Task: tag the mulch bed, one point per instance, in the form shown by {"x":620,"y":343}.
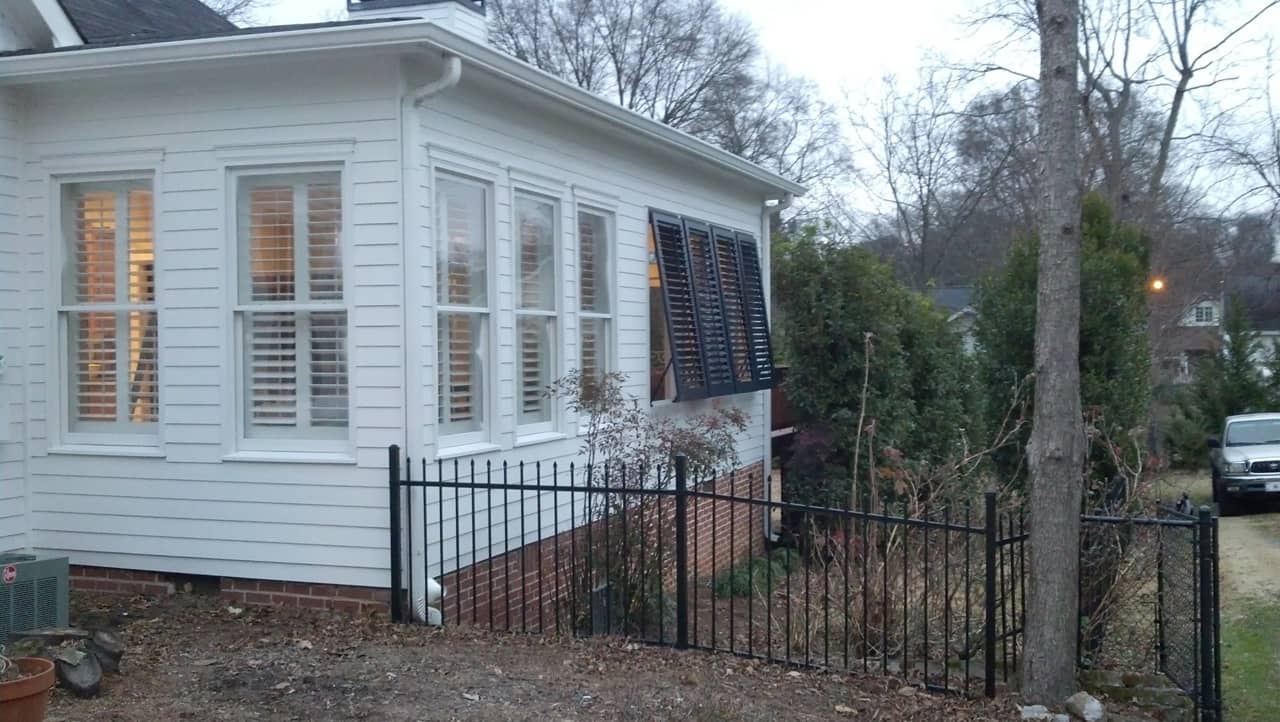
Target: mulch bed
{"x":190,"y":657}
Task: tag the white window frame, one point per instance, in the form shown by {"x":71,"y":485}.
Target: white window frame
{"x":609,"y":213}
{"x":542,"y":429}
{"x":1211,"y":311}
{"x":340,"y":443}
{"x":128,"y":437}
{"x":480,"y":439}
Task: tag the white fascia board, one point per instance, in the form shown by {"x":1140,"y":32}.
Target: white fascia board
{"x":89,"y":61}
{"x":64,"y":33}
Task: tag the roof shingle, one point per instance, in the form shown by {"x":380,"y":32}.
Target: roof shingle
{"x":114,"y":21}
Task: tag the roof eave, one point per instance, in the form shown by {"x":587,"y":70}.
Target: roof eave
{"x":43,"y":67}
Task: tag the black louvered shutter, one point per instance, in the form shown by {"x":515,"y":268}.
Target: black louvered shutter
{"x":735,"y":310}
{"x":678,"y":297}
{"x":757,"y":315}
{"x":709,"y":300}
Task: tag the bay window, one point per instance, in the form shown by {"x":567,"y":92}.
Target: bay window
{"x":291,"y":313}
{"x":108,"y":311}
{"x":463,"y":307}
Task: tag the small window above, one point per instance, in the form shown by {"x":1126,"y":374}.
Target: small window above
{"x":1204,"y":313}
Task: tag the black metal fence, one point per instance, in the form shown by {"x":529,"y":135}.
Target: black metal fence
{"x":931,"y":591}
{"x":1149,"y":601}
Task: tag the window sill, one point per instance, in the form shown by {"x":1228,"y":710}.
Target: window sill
{"x":540,"y":438}
{"x":291,"y":457}
{"x":136,"y":452}
{"x":456,"y":452}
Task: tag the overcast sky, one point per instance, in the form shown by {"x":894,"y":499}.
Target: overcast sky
{"x":839,"y":44}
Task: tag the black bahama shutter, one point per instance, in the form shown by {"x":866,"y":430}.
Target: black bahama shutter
{"x":757,"y":314}
{"x":713,"y":293}
{"x":709,"y":299}
{"x":678,"y":297}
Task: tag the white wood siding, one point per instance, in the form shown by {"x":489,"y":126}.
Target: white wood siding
{"x":541,"y":148}
{"x":193,"y":511}
{"x":189,"y":509}
{"x":13,"y":503}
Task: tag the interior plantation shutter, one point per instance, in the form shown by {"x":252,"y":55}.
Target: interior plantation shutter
{"x":110,"y":308}
{"x":756,"y":310}
{"x":681,"y":311}
{"x":704,"y":272}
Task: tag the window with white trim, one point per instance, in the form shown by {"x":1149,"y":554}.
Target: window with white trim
{"x":108,"y":311}
{"x":595,"y":292}
{"x":536,"y":307}
{"x":1206,"y":314}
{"x":463,"y":223}
{"x":291,"y":313}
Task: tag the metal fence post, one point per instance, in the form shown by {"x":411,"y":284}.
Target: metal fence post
{"x":989,"y":626}
{"x":393,"y":478}
{"x":1204,"y":542}
{"x":682,"y":552}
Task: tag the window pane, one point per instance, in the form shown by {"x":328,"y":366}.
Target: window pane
{"x":93,"y":236}
{"x":461,"y":363}
{"x":535,"y":368}
{"x":142,"y":257}
{"x":595,"y":347}
{"x":94,"y":374}
{"x":329,"y":369}
{"x":144,"y":387}
{"x":271,"y":372}
{"x":267,"y":217}
{"x":462,"y":243}
{"x":593,"y":262}
{"x":536,"y":253}
{"x":324,"y":241}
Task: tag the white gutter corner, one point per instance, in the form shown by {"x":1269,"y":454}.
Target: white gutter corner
{"x":449,"y":77}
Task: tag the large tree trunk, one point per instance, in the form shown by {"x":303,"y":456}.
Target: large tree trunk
{"x":1057,"y":438}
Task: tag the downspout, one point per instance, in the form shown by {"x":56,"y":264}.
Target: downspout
{"x":766,"y":271}
{"x":415,"y":98}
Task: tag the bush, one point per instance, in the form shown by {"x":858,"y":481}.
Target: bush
{"x":873,"y":366}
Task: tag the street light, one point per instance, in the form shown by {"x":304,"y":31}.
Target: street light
{"x":1157,"y":284}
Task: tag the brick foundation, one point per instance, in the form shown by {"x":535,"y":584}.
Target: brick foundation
{"x":531,"y":587}
{"x":256,"y":592}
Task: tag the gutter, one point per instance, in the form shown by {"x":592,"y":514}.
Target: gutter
{"x":406,"y":34}
{"x":767,"y":212}
{"x":430,"y":591}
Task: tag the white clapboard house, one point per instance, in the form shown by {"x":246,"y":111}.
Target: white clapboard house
{"x":237,"y":264}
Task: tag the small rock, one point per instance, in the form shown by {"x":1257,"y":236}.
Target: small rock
{"x":1036,"y":712}
{"x":907,"y":691}
{"x":82,"y":678}
{"x":841,"y":709}
{"x":235,"y":611}
{"x":305,"y":644}
{"x":1083,"y":705}
{"x":108,"y":648}
{"x":471,"y":697}
{"x":281,"y":686}
{"x":793,"y":673}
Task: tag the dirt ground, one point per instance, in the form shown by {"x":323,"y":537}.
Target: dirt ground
{"x":191,"y":658}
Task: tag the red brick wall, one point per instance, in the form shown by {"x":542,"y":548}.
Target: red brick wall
{"x":356,"y":600}
{"x":531,"y":587}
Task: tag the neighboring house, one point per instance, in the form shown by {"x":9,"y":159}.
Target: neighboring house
{"x":1196,"y":334}
{"x":957,"y":303}
{"x":235,"y":265}
{"x":1258,"y":290}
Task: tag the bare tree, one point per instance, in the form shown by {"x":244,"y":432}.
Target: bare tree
{"x":687,"y":63}
{"x":240,"y":12}
{"x":1254,"y":148}
{"x":927,"y":167}
{"x":1056,"y":452}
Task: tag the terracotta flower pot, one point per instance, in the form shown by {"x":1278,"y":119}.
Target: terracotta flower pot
{"x":25,"y":700}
